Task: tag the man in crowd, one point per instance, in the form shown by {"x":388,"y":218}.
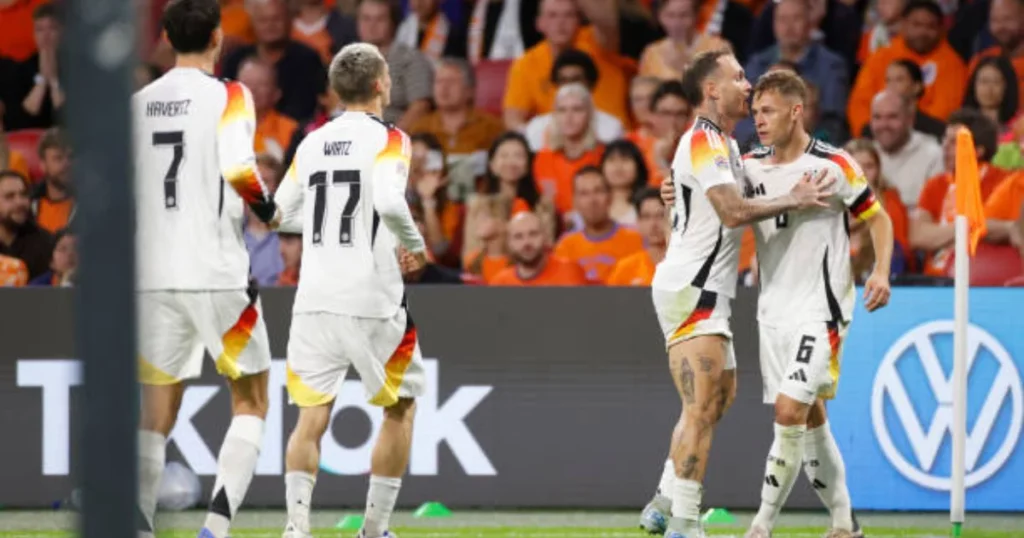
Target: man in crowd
{"x":909,"y":158}
{"x":274,"y":130}
{"x":53,"y":202}
{"x":638,"y":269}
{"x":532,"y":264}
{"x":20,"y":236}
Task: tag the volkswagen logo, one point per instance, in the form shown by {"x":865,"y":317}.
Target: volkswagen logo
{"x":927,"y":434}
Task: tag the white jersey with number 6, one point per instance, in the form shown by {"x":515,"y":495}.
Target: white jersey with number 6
{"x":194,"y":171}
{"x":347,"y":179}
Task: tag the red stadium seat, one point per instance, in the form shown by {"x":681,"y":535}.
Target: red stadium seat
{"x":1017,"y":281}
{"x":993,"y":265}
{"x":26,"y":142}
{"x":491,"y":76}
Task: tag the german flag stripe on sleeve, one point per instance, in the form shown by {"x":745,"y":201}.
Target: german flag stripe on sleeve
{"x":236,"y":108}
{"x":850,"y":172}
{"x":865,"y":206}
{"x":396,"y":148}
{"x":246,"y":182}
{"x":705,"y":147}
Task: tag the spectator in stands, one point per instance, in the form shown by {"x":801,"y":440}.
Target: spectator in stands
{"x":905,"y":78}
{"x":1006,"y":24}
{"x":53,"y":201}
{"x":236,"y":23}
{"x":667,"y":58}
{"x":867,"y":157}
{"x":412,"y":77}
{"x":462,"y":129}
{"x":20,"y":237}
{"x":641,"y":89}
{"x":274,"y":130}
{"x":909,"y":158}
{"x":828,"y":127}
{"x":265,"y":261}
{"x":444,"y":217}
{"x":572,"y":145}
{"x":1004,"y":212}
{"x":432,"y":273}
{"x":16,"y":17}
{"x":300,"y":73}
{"x":573,"y":67}
{"x":671,"y":116}
{"x":885,"y":17}
{"x":623,"y":165}
{"x":533,"y":265}
{"x":921,"y":40}
{"x":484,"y":247}
{"x":815,"y":63}
{"x":501,"y":29}
{"x":510,"y":177}
{"x":63,"y":262}
{"x":530,"y":91}
{"x":599,"y":243}
{"x":835,"y":23}
{"x":10,"y":159}
{"x":638,"y":268}
{"x":291,"y":255}
{"x":431,"y":32}
{"x":13,"y":272}
{"x":322,"y":29}
{"x":931,"y":227}
{"x":994,"y":91}
{"x":32,"y":91}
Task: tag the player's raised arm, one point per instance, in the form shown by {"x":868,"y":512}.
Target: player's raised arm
{"x":390,"y":180}
{"x":235,"y":137}
{"x":289,"y":198}
{"x":711,"y":167}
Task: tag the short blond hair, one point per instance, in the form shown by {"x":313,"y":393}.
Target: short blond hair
{"x":785,"y":83}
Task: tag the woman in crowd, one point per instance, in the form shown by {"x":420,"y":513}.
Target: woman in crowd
{"x":993,"y":90}
{"x":428,"y":179}
{"x":573,"y":145}
{"x":864,"y":152}
{"x":623,"y":166}
{"x":667,"y":58}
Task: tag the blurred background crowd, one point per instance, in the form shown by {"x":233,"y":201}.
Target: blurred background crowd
{"x":542,"y":128}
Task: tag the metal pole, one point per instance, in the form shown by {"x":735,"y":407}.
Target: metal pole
{"x":98,"y":61}
{"x":960,"y":317}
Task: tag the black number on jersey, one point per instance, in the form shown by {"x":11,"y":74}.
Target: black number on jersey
{"x":803,"y":354}
{"x":782,"y":220}
{"x":318,"y":183}
{"x":175,"y":139}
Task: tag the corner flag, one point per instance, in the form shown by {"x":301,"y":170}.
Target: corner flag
{"x":968,"y":188}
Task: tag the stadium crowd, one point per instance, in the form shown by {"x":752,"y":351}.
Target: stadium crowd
{"x":542,"y":128}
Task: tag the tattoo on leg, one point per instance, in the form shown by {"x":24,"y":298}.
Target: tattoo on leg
{"x":723,"y":401}
{"x":706,"y":363}
{"x":690,"y":466}
{"x":686,"y":381}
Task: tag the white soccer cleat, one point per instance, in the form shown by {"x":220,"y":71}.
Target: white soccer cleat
{"x":758,"y":532}
{"x":840,"y":533}
{"x":291,"y":532}
{"x":654,"y":518}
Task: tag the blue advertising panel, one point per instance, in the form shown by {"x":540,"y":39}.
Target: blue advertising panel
{"x":893,"y":415}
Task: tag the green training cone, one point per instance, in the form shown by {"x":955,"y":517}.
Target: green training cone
{"x":350,"y":523}
{"x":718,"y":516}
{"x":433,"y":509}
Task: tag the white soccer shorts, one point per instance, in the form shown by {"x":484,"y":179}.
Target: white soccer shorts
{"x":176,"y":327}
{"x":692,"y":312}
{"x":801,"y":361}
{"x":385,"y":353}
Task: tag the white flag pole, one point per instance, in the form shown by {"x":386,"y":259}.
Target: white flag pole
{"x":961,"y":286}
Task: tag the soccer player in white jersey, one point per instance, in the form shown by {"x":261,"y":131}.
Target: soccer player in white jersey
{"x":348,"y":178}
{"x":195,"y":172}
{"x":806,"y":298}
{"x":693,"y":285}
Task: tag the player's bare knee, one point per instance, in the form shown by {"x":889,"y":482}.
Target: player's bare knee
{"x":403,"y":410}
{"x":313,"y":422}
{"x":249,"y":395}
{"x":790,"y":412}
{"x":817,"y":416}
{"x":160,"y":404}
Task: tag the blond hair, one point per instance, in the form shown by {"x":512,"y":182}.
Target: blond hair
{"x":556,"y":138}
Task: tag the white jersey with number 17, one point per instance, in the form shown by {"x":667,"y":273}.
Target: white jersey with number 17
{"x":194,"y":172}
{"x":345,"y":192}
{"x":702,"y":252}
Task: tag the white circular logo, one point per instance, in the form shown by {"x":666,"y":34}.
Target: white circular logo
{"x":926,"y":435}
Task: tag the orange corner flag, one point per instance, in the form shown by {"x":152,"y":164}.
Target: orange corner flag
{"x":968,"y":188}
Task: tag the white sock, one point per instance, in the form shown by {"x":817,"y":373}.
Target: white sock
{"x":663,"y":496}
{"x":380,"y":502}
{"x":826,"y":471}
{"x":152,"y":456}
{"x":235,"y":465}
{"x":780,"y":472}
{"x":686,"y":498}
{"x":298,"y":494}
